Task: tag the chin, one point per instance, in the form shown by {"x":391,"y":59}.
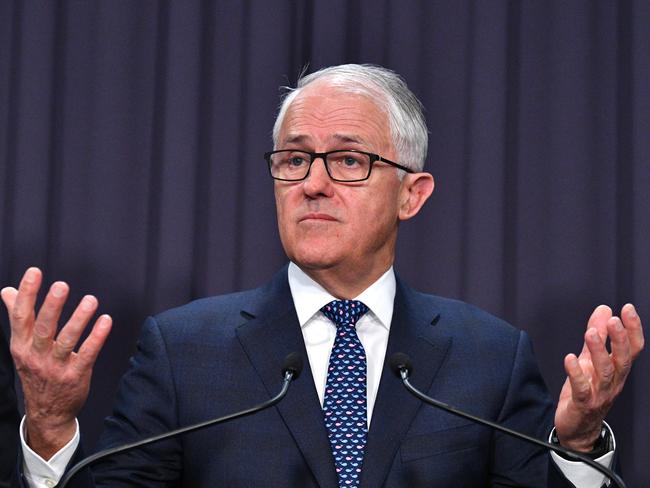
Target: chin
{"x":313,"y":262}
{"x":313,"y":257}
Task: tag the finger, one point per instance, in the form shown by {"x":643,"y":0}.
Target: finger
{"x":48,"y":316}
{"x":598,"y":320}
{"x":632,"y":323}
{"x":602,"y":363}
{"x":580,"y":386}
{"x":8,"y":295}
{"x":94,"y":342}
{"x":69,"y":335}
{"x":620,"y":347}
{"x":21,"y":315}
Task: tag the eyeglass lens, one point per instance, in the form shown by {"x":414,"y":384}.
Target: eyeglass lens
{"x":341,"y":165}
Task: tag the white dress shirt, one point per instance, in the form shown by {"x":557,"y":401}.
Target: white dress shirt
{"x":318,"y":333}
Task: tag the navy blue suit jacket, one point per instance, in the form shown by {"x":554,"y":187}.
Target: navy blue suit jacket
{"x":218,"y":355}
{"x":9,"y":418}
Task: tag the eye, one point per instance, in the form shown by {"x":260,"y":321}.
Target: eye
{"x":347,"y":160}
{"x":350,"y":161}
{"x":296,"y":161}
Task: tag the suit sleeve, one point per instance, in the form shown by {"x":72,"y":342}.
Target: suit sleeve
{"x":145,"y":406}
{"x":527,"y":408}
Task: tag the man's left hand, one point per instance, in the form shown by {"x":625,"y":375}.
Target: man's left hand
{"x":596,"y":377}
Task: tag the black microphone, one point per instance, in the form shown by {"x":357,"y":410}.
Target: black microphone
{"x":291,"y":368}
{"x":402,"y":366}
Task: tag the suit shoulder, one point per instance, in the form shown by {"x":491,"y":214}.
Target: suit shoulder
{"x":467,"y":320}
{"x":216,"y":312}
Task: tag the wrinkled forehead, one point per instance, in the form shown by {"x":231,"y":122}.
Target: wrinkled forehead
{"x":335,"y":112}
{"x":334,"y":87}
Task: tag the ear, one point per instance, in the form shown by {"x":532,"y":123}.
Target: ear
{"x":416,"y":188}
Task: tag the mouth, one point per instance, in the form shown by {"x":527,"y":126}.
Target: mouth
{"x":317,"y":217}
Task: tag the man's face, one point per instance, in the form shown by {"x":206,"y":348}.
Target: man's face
{"x":326,"y":224}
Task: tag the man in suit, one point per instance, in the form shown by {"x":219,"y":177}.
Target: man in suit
{"x":9,"y":417}
{"x":350,"y":144}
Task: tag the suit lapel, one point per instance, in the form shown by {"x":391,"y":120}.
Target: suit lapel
{"x":272,"y":332}
{"x":412,"y":332}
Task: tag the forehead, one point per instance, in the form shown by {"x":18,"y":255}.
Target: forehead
{"x":329,"y":115}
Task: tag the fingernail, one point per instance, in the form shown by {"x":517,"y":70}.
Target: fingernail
{"x":87,"y":304}
{"x":104,"y":322}
{"x":632,"y":311}
{"x":593,"y":333}
{"x":58,"y":290}
{"x":30,"y":275}
{"x":618,"y":325}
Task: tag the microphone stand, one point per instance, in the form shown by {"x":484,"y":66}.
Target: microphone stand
{"x":289,"y":374}
{"x":404,"y":374}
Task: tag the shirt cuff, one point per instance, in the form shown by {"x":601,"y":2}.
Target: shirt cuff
{"x":581,"y":475}
{"x":40,"y":473}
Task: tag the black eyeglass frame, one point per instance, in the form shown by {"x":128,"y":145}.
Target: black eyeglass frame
{"x":323,"y":155}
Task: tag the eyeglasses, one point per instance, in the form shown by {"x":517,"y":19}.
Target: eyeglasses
{"x":343,"y":165}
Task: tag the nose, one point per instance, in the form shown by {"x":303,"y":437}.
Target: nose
{"x":318,"y":181}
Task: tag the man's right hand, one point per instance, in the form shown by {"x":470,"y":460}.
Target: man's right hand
{"x":55,"y":379}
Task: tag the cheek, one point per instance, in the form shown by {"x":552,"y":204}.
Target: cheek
{"x":284,"y":209}
{"x":281,"y":200}
{"x":377,"y":217}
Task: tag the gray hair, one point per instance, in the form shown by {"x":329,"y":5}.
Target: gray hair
{"x":386,"y":88}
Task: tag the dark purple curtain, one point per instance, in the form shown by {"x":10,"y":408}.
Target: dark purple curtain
{"x":132,"y":133}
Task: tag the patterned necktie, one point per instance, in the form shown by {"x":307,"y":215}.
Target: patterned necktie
{"x":344,"y":404}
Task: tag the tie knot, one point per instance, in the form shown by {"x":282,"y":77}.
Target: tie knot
{"x":344,"y":311}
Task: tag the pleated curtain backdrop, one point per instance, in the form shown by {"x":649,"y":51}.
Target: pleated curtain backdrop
{"x":132,"y":134}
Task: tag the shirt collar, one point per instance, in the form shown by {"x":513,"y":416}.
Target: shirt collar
{"x":309,"y":296}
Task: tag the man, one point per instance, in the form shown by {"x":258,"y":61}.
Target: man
{"x":350,"y":144}
{"x":9,"y":417}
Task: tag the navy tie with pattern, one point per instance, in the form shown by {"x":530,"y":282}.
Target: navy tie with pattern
{"x":344,"y":403}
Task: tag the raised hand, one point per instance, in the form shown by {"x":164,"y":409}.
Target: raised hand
{"x":55,"y":378}
{"x":596,"y":377}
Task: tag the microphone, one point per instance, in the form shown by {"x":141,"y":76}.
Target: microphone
{"x":402,"y":366}
{"x":291,"y":369}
